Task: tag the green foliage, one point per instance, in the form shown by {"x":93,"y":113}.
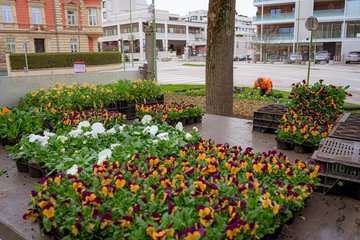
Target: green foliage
{"x":58,"y":60}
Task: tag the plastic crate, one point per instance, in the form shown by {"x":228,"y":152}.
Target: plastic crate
{"x":339,"y":160}
{"x":267,"y":119}
{"x":348,"y":127}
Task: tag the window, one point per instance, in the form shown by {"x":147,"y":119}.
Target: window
{"x":71,"y":17}
{"x":104,"y":15}
{"x":275,"y":12}
{"x":36,"y":15}
{"x":353,"y":29}
{"x":10,"y":45}
{"x":73,"y":45}
{"x":92,"y":17}
{"x":6,"y":13}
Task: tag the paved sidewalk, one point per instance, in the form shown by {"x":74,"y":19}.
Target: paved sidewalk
{"x":324,"y":217}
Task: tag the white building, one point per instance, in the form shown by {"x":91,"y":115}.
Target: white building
{"x":282,"y":23}
{"x":173,"y":34}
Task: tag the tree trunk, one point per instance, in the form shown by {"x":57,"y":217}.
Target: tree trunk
{"x":219,"y":57}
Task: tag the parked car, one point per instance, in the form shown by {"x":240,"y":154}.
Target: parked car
{"x":322,"y":56}
{"x":240,"y":58}
{"x":295,"y":57}
{"x":352,"y":57}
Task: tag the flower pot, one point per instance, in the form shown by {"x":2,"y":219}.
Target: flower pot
{"x":189,"y":121}
{"x":198,"y":119}
{"x":22,"y":166}
{"x":284,"y":144}
{"x":303,"y":148}
{"x":35,"y":171}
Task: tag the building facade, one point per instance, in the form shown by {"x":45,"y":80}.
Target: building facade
{"x":175,"y":36}
{"x":181,"y":36}
{"x":281,"y":27}
{"x":49,"y":25}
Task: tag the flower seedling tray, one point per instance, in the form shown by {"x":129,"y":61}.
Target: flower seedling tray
{"x":339,"y":160}
{"x":267,"y":119}
{"x":348,"y":127}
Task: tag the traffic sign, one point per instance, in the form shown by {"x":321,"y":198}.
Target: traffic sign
{"x":311,"y":23}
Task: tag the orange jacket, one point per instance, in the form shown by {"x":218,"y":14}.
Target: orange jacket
{"x":265,"y":84}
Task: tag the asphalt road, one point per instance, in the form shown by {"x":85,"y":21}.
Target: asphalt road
{"x":283,"y":75}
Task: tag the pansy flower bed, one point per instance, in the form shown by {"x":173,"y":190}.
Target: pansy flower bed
{"x":89,"y":144}
{"x":107,"y":118}
{"x":205,"y":190}
{"x":170,"y":113}
{"x":313,"y":111}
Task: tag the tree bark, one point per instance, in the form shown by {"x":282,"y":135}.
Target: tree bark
{"x":219,"y":57}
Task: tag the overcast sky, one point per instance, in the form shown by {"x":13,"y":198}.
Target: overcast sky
{"x":244,"y":7}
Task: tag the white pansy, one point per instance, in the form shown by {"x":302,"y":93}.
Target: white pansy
{"x":43,"y":141}
{"x":115,"y":145}
{"x":73,"y":170}
{"x":111,"y":131}
{"x":49,"y":134}
{"x":75,"y":133}
{"x":146,"y":130}
{"x":146,"y":119}
{"x":179,"y":126}
{"x":98,"y":128}
{"x":153,"y":130}
{"x":163,"y":136}
{"x":155,"y":141}
{"x":103,"y":155}
{"x":195,"y":129}
{"x":62,"y":150}
{"x":121,"y":128}
{"x":33,"y":137}
{"x":62,"y":138}
{"x":188,"y":136}
{"x":83,"y":124}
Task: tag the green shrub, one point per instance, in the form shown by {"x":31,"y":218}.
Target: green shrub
{"x":56,"y":60}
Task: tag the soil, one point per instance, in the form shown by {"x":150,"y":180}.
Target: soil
{"x":243,"y":108}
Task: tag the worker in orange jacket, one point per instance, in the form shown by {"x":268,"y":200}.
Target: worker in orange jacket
{"x":265,"y":85}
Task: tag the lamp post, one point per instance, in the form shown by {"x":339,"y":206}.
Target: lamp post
{"x":154,"y":29}
{"x":131,"y":39}
{"x":311,"y":24}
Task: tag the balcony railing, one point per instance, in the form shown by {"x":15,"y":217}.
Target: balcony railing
{"x":274,"y":38}
{"x":329,"y":13}
{"x":282,"y":16}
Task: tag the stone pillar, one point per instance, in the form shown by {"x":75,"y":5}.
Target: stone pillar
{"x":141,"y":40}
{"x":149,"y":52}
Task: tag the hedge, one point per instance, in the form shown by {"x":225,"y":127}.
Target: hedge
{"x":57,"y":60}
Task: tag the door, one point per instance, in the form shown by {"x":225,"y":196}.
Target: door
{"x":39,"y":44}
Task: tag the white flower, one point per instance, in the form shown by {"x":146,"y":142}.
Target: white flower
{"x":146,"y":130}
{"x":155,"y":141}
{"x":73,"y":170}
{"x":43,"y":141}
{"x":62,"y":138}
{"x":111,"y":131}
{"x":49,"y":134}
{"x":33,"y":137}
{"x":146,"y":119}
{"x":163,"y":136}
{"x":195,"y":129}
{"x":98,"y":128}
{"x":62,"y":150}
{"x":75,"y":133}
{"x":115,"y":145}
{"x":153,"y":130}
{"x":188,"y":136}
{"x":136,"y":133}
{"x":121,"y":128}
{"x":179,"y":126}
{"x":103,"y":155}
{"x":83,"y":124}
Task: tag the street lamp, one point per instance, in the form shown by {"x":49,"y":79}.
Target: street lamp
{"x":131,"y":39}
{"x":154,"y":30}
{"x":311,"y":24}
